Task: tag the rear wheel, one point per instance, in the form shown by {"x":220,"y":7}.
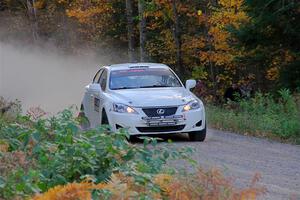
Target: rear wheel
{"x":198,"y":135}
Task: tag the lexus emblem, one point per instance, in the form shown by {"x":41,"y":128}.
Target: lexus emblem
{"x":160,"y":111}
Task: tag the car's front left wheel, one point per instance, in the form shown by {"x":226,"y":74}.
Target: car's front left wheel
{"x":83,"y":120}
{"x":104,"y":119}
{"x":198,"y":135}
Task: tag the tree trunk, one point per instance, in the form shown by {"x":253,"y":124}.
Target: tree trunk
{"x":32,"y":13}
{"x":141,"y":7}
{"x":177,"y":39}
{"x":130,"y":33}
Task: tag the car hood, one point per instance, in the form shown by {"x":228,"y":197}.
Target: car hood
{"x":148,"y":97}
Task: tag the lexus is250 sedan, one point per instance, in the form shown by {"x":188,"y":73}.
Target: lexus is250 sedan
{"x":145,"y":99}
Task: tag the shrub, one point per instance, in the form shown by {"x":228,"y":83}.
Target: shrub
{"x":60,"y":153}
{"x":210,"y":185}
{"x":261,"y":115}
{"x":55,"y":157}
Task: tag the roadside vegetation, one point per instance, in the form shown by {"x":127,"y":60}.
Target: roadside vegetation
{"x":264,"y":115}
{"x":52,"y":158}
{"x":251,"y":43}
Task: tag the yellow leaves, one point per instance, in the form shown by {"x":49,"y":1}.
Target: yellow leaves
{"x":199,"y":12}
{"x":39,"y":4}
{"x":288,"y":57}
{"x":62,"y":1}
{"x":231,"y":3}
{"x":272,"y":74}
{"x":202,"y":185}
{"x":219,"y":50}
{"x":85,"y":16}
{"x":163,"y":181}
{"x":279,"y":59}
{"x":223,"y":17}
{"x":218,"y":58}
{"x":3,"y":146}
{"x":119,"y":185}
{"x":71,"y":191}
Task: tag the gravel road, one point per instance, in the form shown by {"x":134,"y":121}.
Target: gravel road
{"x":242,"y":156}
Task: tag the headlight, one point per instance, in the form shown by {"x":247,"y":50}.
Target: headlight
{"x":122,"y":108}
{"x":192,"y":105}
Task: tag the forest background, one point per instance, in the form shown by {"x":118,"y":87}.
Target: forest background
{"x":254,"y":43}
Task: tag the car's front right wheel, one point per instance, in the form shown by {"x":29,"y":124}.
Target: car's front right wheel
{"x":198,"y":135}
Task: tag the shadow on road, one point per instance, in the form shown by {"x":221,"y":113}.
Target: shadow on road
{"x":164,"y":138}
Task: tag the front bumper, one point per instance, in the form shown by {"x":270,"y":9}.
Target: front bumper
{"x":138,"y":124}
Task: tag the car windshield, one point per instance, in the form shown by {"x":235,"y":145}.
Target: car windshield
{"x":142,"y":78}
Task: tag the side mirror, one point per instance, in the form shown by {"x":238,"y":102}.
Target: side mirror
{"x":189,"y":84}
{"x":95,"y":87}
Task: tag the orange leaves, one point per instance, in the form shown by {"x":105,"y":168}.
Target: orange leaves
{"x":272,"y":74}
{"x":85,"y":16}
{"x":222,"y":59}
{"x":219,"y":50}
{"x":39,"y":4}
{"x":3,"y":146}
{"x":94,"y":17}
{"x":231,"y":3}
{"x":207,"y":185}
{"x":71,"y":191}
{"x":119,"y":185}
{"x":279,"y":60}
{"x":210,"y":185}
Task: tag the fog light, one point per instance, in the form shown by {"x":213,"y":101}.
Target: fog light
{"x":199,"y":123}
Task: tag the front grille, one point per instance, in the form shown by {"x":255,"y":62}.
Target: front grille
{"x":160,"y":129}
{"x":154,"y":112}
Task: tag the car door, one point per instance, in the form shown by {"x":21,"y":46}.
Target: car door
{"x":88,"y":101}
{"x":98,"y":99}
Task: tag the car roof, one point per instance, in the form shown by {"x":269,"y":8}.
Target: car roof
{"x":123,"y":66}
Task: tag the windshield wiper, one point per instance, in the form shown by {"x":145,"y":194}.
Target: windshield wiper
{"x":123,"y":88}
{"x":153,"y":86}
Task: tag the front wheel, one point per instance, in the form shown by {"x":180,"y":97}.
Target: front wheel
{"x":104,"y":119}
{"x":84,"y":122}
{"x":198,"y":135}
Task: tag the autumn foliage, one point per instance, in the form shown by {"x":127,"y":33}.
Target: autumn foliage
{"x":220,"y":42}
{"x":207,"y":185}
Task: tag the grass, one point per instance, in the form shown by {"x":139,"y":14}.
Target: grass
{"x":262,"y":116}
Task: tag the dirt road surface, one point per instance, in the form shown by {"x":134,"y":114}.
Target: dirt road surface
{"x":242,"y":156}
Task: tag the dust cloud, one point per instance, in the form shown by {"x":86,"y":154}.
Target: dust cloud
{"x":43,"y":77}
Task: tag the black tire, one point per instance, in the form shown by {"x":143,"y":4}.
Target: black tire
{"x":83,"y":120}
{"x":198,"y":135}
{"x":105,"y":122}
{"x":104,"y":119}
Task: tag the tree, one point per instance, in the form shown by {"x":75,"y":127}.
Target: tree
{"x":217,"y":51}
{"x":142,"y":29}
{"x":32,"y":13}
{"x":271,"y":40}
{"x":177,"y":38}
{"x":130,"y":32}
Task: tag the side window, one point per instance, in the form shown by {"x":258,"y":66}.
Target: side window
{"x":103,"y":80}
{"x":96,"y":77}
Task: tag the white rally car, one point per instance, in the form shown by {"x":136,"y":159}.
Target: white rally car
{"x":144,"y":98}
